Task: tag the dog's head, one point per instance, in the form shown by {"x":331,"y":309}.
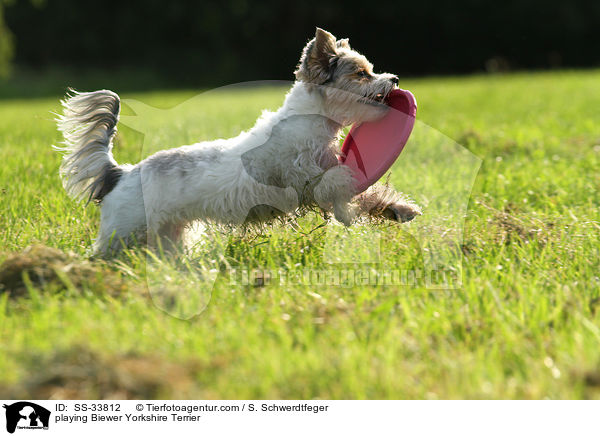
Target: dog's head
{"x":352,"y":92}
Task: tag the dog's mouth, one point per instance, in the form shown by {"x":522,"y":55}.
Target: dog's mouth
{"x":379,"y":98}
{"x":374,"y":100}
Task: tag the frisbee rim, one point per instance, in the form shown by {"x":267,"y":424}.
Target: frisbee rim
{"x":383,"y":166}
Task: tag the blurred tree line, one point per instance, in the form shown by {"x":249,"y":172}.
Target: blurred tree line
{"x":6,"y":44}
{"x":200,"y":42}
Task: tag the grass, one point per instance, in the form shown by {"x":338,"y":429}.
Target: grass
{"x":524,"y":324}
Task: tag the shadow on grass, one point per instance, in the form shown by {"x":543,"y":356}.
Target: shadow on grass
{"x":81,"y":373}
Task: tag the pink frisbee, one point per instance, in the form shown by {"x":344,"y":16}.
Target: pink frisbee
{"x":371,"y":148}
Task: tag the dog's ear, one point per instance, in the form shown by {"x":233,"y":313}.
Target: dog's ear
{"x":343,"y":43}
{"x":317,"y":58}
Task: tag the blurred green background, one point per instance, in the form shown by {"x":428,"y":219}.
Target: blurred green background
{"x":143,"y":44}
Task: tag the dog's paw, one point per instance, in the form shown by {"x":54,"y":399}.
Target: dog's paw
{"x":344,"y":213}
{"x":401,"y":212}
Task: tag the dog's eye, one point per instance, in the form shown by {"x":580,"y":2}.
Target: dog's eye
{"x":363,"y":73}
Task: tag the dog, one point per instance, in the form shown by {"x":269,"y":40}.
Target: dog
{"x":286,"y":163}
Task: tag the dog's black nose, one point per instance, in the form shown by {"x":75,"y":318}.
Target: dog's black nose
{"x":394,"y":80}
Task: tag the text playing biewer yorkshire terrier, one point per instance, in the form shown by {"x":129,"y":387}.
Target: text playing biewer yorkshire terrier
{"x":288,"y":162}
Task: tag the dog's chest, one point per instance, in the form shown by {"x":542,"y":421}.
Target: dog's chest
{"x":298,"y":150}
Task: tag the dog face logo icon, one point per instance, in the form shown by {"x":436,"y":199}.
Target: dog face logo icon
{"x":26,"y":415}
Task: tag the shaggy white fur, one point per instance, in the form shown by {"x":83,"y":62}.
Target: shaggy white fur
{"x":288,"y":160}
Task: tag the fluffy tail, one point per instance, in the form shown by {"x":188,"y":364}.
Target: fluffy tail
{"x":88,"y":124}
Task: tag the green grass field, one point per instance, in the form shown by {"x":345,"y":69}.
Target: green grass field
{"x":524,"y":324}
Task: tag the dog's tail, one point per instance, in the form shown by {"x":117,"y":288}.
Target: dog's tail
{"x":88,"y":124}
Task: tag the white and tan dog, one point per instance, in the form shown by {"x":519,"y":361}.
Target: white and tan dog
{"x":285,"y":163}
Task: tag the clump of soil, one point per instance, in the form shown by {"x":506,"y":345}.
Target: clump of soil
{"x":50,"y":268}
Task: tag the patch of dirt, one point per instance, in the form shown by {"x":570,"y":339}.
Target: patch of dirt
{"x":592,"y":379}
{"x":593,"y":305}
{"x":48,"y":267}
{"x":470,"y":137}
{"x":80,"y":373}
{"x":512,"y":228}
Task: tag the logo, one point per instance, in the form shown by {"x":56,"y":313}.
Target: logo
{"x":26,"y":415}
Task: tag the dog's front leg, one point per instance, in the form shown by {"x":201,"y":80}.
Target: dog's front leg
{"x":335,"y":191}
{"x":383,"y":201}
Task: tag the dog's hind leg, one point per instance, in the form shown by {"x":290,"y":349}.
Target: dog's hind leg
{"x":122,"y":221}
{"x":117,"y":230}
{"x":168,"y":238}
